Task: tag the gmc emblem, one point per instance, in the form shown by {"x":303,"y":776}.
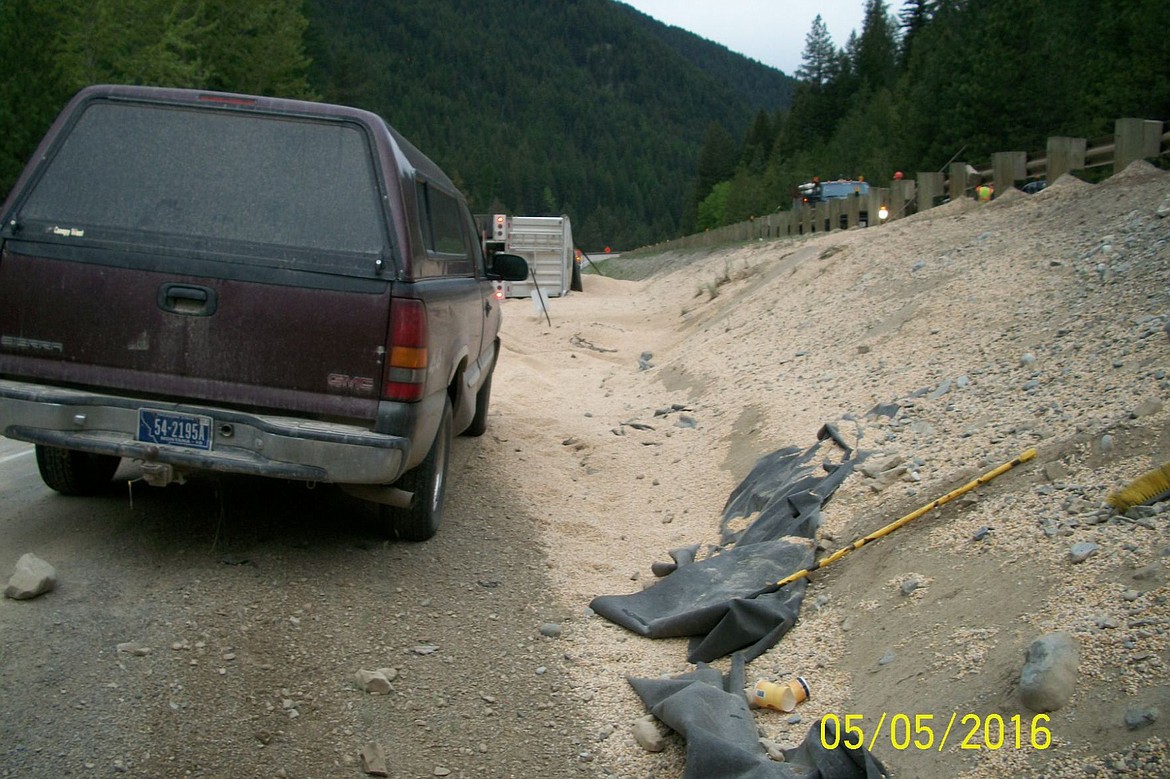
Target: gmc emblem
{"x":350,"y":385}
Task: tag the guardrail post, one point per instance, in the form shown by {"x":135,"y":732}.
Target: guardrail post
{"x":821,"y":217}
{"x":1135,"y":139}
{"x":852,"y":210}
{"x":1064,"y":156}
{"x":835,"y":207}
{"x":930,"y":189}
{"x":901,"y":194}
{"x":1008,"y":167}
{"x":957,"y":180}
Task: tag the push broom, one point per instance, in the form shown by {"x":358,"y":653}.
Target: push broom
{"x":890,"y":528}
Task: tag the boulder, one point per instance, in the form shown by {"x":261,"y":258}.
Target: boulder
{"x":1049,"y":676}
{"x":32,"y":577}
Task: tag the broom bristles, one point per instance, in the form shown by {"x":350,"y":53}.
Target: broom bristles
{"x":1148,"y":488}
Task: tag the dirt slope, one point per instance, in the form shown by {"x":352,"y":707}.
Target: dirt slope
{"x":1032,"y":321}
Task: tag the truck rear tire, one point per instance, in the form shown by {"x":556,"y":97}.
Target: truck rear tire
{"x":483,"y":399}
{"x":70,"y":472}
{"x":428,"y":482}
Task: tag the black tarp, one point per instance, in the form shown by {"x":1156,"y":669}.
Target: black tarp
{"x":711,"y":713}
{"x":727,"y":601}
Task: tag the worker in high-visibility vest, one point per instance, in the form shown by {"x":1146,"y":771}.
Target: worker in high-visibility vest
{"x":984,"y":192}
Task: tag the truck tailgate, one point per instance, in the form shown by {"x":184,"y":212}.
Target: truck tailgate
{"x":231,"y":334}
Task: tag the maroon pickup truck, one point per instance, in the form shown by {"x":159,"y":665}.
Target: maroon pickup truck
{"x":202,"y":281}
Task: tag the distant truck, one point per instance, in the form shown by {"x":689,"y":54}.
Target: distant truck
{"x":546,"y":242}
{"x":817,"y":191}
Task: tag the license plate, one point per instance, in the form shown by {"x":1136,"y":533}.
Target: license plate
{"x":173,"y":429}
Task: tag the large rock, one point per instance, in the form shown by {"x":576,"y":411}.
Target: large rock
{"x":33,"y":577}
{"x":1049,"y":677}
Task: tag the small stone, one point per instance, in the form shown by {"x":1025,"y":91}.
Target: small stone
{"x":775,"y":752}
{"x":661,"y":569}
{"x":1107,"y":443}
{"x":1141,"y":717}
{"x":648,"y":736}
{"x":1130,"y":595}
{"x":1055,"y":472}
{"x":1028,"y":360}
{"x":981,"y":533}
{"x":887,"y":658}
{"x":1147,"y":407}
{"x":133,"y":648}
{"x":1082,"y":551}
{"x":1049,"y":675}
{"x":425,"y":649}
{"x":910,"y":585}
{"x":32,"y":577}
{"x":373,"y":682}
{"x":442,"y":771}
{"x":550,"y":630}
{"x":373,"y":758}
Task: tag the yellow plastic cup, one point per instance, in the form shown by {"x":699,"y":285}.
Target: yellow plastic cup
{"x":781,"y":697}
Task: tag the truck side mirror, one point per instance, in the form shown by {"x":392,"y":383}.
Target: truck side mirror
{"x":509,"y":267}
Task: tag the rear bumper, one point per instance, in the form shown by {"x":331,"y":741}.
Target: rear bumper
{"x":256,"y":444}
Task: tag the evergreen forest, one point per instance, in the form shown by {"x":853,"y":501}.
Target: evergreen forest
{"x":938,"y":80}
{"x":637,"y":130}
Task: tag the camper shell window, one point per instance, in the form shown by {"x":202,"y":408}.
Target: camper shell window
{"x":301,"y":189}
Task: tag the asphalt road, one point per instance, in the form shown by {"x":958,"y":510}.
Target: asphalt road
{"x":250,"y":604}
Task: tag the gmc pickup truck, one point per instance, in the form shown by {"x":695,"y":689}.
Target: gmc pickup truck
{"x":202,"y":281}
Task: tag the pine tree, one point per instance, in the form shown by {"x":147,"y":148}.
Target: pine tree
{"x":915,"y":15}
{"x":875,"y":57}
{"x":818,"y":60}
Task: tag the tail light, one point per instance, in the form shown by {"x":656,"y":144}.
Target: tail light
{"x":406,"y":369}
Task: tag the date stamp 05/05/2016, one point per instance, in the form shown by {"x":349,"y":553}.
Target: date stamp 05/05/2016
{"x":925,"y":732}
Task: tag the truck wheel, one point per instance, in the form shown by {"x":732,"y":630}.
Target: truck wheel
{"x":71,"y":472}
{"x":428,"y":482}
{"x":483,"y":399}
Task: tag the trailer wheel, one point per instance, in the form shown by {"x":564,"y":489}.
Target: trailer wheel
{"x":70,"y":472}
{"x":483,"y":399}
{"x":428,"y":482}
{"x":575,"y":281}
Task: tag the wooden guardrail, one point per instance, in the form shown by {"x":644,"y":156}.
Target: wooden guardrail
{"x":1133,"y":139}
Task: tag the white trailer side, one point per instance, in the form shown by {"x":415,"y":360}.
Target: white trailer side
{"x":547,"y":243}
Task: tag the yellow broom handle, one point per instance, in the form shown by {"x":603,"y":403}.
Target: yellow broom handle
{"x":890,"y":528}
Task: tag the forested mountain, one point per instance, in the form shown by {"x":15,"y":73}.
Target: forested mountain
{"x":587,"y":108}
{"x":584,"y":107}
{"x":637,"y":130}
{"x":939,"y":79}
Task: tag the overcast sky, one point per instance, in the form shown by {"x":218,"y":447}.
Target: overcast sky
{"x":771,"y":31}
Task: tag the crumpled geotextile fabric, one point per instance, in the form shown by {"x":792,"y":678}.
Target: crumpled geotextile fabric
{"x":711,"y":713}
{"x":728,"y":601}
